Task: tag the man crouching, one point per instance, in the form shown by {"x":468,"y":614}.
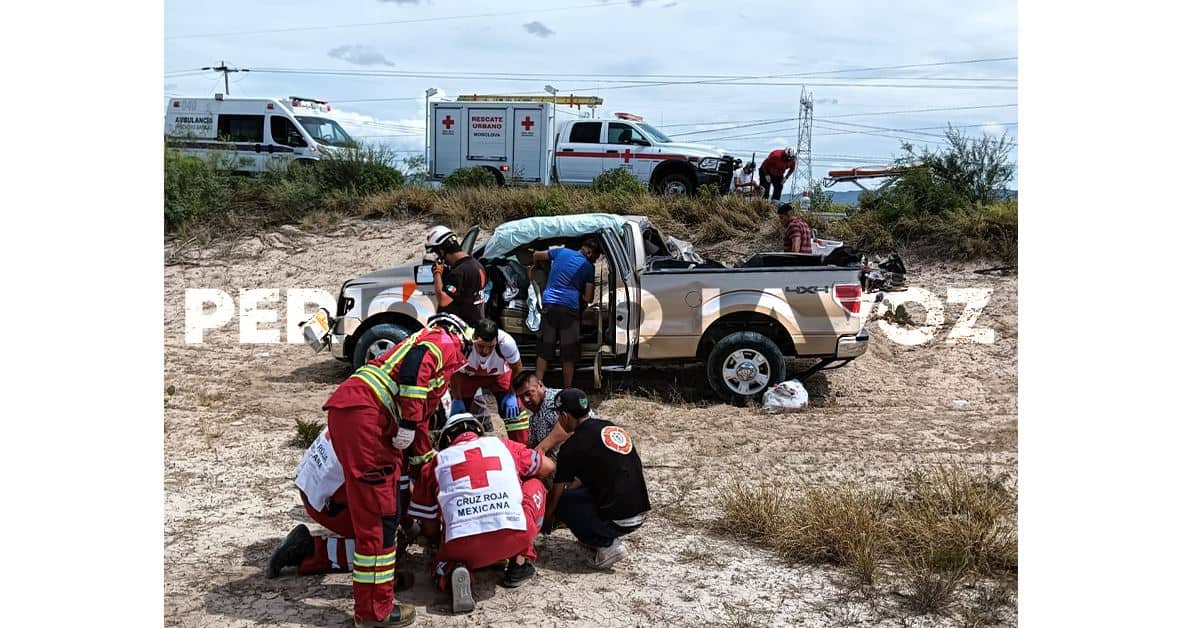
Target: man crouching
{"x":484,"y":494}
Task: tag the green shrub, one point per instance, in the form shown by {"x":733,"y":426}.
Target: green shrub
{"x":477,"y":177}
{"x":360,"y":170}
{"x":192,"y":188}
{"x":618,"y":180}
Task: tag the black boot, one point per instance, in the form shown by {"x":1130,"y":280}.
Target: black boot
{"x":297,"y":546}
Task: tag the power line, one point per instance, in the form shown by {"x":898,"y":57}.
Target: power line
{"x":388,"y":23}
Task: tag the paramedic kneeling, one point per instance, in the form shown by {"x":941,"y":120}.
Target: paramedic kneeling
{"x":611,"y":499}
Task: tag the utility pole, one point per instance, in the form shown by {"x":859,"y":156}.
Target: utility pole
{"x":803,"y":143}
{"x":226,"y":69}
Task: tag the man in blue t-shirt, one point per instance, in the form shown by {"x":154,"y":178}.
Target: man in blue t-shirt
{"x":569,"y":287}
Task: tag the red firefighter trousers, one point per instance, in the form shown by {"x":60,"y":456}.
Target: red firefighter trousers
{"x":371,"y":468}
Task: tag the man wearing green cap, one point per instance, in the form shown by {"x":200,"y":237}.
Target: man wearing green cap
{"x":610,"y":499}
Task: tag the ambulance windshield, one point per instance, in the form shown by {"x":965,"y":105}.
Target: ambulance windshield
{"x":655,"y":133}
{"x":326,"y":131}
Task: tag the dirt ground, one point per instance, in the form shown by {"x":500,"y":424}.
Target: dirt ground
{"x":229,"y":496}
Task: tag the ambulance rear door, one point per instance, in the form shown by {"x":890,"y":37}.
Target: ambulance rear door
{"x":487,"y":137}
{"x":530,"y":130}
{"x":448,"y":145}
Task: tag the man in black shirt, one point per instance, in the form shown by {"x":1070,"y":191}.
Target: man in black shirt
{"x":459,"y":290}
{"x":610,"y":500}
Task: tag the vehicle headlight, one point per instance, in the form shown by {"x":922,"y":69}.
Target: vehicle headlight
{"x":709,"y":163}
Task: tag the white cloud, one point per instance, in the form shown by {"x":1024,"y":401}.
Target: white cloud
{"x":537,"y":28}
{"x":360,"y":55}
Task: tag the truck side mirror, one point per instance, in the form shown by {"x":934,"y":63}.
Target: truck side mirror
{"x":423,"y":273}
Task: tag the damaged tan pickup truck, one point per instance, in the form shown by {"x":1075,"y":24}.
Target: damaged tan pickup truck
{"x":655,"y":301}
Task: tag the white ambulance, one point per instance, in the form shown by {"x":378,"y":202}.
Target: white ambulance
{"x":254,"y":134}
{"x":511,"y":138}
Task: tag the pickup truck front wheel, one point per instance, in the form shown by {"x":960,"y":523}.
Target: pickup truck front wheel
{"x":743,"y":365}
{"x":676,"y":185}
{"x":376,"y":341}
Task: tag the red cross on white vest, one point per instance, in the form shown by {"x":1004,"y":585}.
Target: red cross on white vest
{"x":476,"y":467}
{"x":448,"y":122}
{"x":527,"y":123}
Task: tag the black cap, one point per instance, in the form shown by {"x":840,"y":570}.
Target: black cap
{"x":784,"y":208}
{"x":572,"y":401}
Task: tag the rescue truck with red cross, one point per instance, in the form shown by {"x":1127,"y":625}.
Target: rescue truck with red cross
{"x":510,"y":137}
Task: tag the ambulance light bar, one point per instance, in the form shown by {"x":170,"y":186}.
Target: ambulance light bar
{"x":628,"y":116}
{"x":570,"y":100}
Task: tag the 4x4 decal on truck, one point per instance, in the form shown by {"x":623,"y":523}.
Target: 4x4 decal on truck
{"x":807,"y":289}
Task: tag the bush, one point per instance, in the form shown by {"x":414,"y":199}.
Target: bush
{"x":477,"y":177}
{"x":192,"y":189}
{"x":618,"y":180}
{"x":359,"y":170}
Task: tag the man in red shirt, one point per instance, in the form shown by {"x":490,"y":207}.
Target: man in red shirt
{"x":797,"y":235}
{"x":775,"y":169}
{"x":481,"y":499}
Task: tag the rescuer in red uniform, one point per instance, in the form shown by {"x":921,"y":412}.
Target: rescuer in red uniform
{"x":485,"y":494}
{"x":379,"y":431}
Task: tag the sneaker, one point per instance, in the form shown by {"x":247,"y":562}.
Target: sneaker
{"x":606,"y":557}
{"x":460,"y":590}
{"x":515,"y":574}
{"x":402,"y":615}
{"x":292,"y":551}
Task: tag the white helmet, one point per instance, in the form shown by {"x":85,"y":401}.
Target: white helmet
{"x":456,"y":425}
{"x":789,"y":152}
{"x":440,"y":235}
{"x":457,"y":328}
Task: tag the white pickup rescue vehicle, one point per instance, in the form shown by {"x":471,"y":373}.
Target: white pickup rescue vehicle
{"x":254,"y":134}
{"x":513,"y":141}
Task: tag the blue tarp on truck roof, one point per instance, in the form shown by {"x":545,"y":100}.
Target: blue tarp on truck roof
{"x":517,"y":233}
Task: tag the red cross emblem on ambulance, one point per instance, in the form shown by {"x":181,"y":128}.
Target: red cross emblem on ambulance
{"x":448,"y":122}
{"x":626,"y":155}
{"x":527,"y":123}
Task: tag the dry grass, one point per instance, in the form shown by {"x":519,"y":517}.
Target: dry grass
{"x":950,"y":517}
{"x":930,"y":589}
{"x":936,"y":529}
{"x":306,"y":433}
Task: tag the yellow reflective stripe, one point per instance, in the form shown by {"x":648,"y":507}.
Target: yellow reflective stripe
{"x":437,"y":382}
{"x":412,"y":392}
{"x":391,"y":363}
{"x":382,"y":375}
{"x":380,"y":393}
{"x":437,"y":353}
{"x":373,"y":577}
{"x":422,"y":458}
{"x":368,"y":560}
{"x":515,"y":426}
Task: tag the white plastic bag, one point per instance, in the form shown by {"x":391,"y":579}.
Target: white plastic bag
{"x":789,"y":396}
{"x":533,"y":318}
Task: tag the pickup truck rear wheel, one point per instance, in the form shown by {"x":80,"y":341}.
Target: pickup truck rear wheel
{"x":376,"y":341}
{"x":743,"y":365}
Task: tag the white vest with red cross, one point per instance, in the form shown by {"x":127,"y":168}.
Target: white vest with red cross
{"x":478,"y":488}
{"x":319,"y":473}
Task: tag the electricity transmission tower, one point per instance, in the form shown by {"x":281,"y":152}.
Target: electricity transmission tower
{"x":803,"y":146}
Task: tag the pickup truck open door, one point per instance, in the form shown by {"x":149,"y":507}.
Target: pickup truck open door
{"x":621,"y":336}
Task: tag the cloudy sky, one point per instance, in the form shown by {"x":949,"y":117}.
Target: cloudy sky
{"x":724,"y":73}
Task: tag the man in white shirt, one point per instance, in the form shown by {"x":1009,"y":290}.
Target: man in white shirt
{"x":490,"y":366}
{"x":744,"y":181}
